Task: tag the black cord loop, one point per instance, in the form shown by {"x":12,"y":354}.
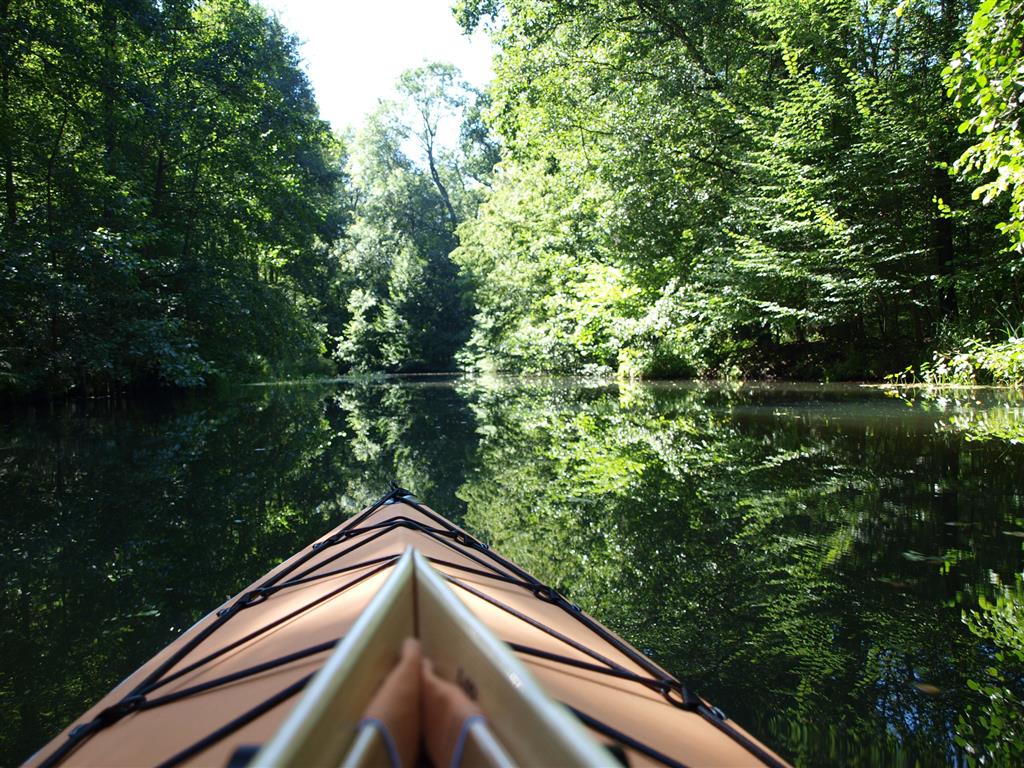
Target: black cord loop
{"x":681,"y":697}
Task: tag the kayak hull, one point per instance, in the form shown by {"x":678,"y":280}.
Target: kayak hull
{"x":232,"y":679}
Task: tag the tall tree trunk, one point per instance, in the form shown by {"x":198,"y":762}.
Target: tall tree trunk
{"x":944,"y":248}
{"x":51,"y":158}
{"x":108,"y":86}
{"x":6,"y":130}
{"x":442,"y":190}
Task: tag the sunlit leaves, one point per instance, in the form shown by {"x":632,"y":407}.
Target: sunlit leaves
{"x":406,"y":302}
{"x":770,"y":178}
{"x":168,"y":222}
{"x":986,"y":79}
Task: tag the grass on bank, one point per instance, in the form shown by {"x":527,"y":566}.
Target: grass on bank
{"x":971,"y":362}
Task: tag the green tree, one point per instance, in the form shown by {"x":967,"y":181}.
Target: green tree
{"x":413,"y":185}
{"x":170,"y":194}
{"x":986,"y":79}
{"x":765,"y":184}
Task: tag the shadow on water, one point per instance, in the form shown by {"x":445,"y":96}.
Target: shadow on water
{"x":836,"y":567}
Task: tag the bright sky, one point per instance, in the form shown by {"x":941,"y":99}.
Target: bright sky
{"x":354,"y":50}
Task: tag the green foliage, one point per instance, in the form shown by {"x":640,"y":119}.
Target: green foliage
{"x":168,"y":196}
{"x":993,"y":732}
{"x":407,"y":304}
{"x":542,"y":305}
{"x":987,"y":80}
{"x":972,"y":362}
{"x":767,"y":182}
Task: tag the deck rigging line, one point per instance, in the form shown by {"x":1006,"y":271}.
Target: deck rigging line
{"x":239,"y":722}
{"x":624,"y":738}
{"x":492,"y":566}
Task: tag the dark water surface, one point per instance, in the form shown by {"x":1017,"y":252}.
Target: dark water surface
{"x":836,"y":567}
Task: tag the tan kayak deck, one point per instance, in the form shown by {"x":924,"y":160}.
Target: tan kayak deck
{"x":232,"y":678}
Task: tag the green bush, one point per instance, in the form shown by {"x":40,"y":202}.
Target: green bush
{"x":973,"y":361}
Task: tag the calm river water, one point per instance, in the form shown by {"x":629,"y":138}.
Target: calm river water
{"x":836,"y":567}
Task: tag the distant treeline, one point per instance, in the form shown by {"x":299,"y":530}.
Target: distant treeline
{"x":648,"y":188}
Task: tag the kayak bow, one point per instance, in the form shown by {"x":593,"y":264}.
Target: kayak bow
{"x":281,"y":673}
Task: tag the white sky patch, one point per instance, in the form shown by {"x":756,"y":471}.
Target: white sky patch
{"x":354,"y":50}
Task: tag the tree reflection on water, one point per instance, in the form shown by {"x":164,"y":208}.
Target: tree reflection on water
{"x":835,"y":568}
